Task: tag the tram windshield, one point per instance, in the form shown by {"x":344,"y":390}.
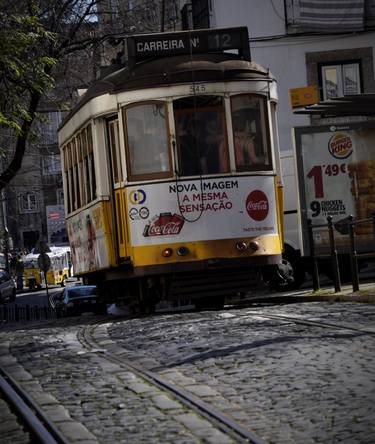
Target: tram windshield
{"x":250,"y":140}
{"x":201,"y":135}
{"x":147,"y":139}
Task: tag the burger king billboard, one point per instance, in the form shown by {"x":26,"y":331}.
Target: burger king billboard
{"x":336,"y":177}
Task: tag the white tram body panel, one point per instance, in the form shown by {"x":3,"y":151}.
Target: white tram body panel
{"x":207,"y":210}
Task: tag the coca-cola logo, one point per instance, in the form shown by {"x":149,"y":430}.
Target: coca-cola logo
{"x":165,"y":224}
{"x":257,"y":206}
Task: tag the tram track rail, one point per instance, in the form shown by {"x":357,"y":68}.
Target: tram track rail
{"x":311,"y":323}
{"x":31,"y":416}
{"x":227,"y":425}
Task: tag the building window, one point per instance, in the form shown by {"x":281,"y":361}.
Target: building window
{"x":60,"y":196}
{"x":201,"y":14}
{"x":340,"y":79}
{"x":28,"y":203}
{"x":48,"y":127}
{"x":187,"y":17}
{"x":51,"y":164}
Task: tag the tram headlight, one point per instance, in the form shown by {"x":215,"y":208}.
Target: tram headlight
{"x":254,"y":245}
{"x":182,"y":251}
{"x":167,"y":252}
{"x":241,"y":246}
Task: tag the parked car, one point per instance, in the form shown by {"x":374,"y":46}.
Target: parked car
{"x":7,"y":287}
{"x":80,"y":299}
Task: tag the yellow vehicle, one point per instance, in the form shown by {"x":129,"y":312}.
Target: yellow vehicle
{"x":58,"y":272}
{"x":172,"y":173}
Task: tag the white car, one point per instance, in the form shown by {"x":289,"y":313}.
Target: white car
{"x":7,"y":288}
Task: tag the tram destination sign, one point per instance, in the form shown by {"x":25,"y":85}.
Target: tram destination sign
{"x":146,"y":46}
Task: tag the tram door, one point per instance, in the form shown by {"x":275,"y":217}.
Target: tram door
{"x":118,"y":192}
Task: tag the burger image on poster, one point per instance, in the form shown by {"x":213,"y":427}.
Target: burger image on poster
{"x":362,"y":174}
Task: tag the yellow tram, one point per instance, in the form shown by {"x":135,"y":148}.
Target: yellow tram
{"x":57,"y":273}
{"x":172,"y":174}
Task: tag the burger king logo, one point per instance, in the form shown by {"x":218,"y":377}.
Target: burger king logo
{"x":340,"y":146}
{"x":257,"y":205}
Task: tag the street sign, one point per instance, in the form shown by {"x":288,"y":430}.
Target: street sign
{"x":44,"y":262}
{"x":307,"y":95}
{"x":196,"y":41}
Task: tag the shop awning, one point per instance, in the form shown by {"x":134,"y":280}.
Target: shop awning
{"x":355,"y":105}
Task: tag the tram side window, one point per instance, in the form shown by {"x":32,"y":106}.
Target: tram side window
{"x":201,"y":135}
{"x":77,"y":175}
{"x":79,"y":170}
{"x":250,"y":136}
{"x":147,"y":141}
{"x":66,"y":173}
{"x":89,"y":167}
{"x":71,"y":176}
{"x":83,"y":138}
{"x":114,"y":145}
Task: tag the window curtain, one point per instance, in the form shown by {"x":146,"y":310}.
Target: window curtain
{"x":325,"y":15}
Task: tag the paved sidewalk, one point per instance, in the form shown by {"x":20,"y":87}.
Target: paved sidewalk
{"x":366,"y":294}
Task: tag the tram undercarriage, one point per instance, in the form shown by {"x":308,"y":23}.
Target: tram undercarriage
{"x":207,"y":287}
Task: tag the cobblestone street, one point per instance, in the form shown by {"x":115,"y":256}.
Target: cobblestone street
{"x":285,"y":381}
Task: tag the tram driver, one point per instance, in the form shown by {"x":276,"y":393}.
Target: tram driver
{"x":201,"y":144}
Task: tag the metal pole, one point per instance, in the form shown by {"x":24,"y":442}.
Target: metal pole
{"x":45,"y":279}
{"x":4,"y":232}
{"x":335,"y":262}
{"x":315,"y":272}
{"x":353,"y":254}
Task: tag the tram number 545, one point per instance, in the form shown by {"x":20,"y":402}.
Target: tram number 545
{"x":197,"y":89}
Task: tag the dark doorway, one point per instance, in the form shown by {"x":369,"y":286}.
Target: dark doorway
{"x":30,"y":238}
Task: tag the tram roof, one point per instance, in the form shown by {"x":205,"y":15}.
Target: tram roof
{"x":175,"y":70}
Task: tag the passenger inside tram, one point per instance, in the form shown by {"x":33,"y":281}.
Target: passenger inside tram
{"x":244,"y":145}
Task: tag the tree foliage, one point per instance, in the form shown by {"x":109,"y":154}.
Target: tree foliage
{"x":35,"y":37}
{"x":38,"y":36}
{"x":23,"y":67}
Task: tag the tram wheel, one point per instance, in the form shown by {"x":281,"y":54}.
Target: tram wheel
{"x":292,"y":271}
